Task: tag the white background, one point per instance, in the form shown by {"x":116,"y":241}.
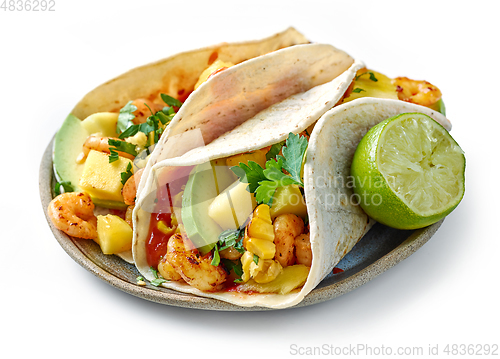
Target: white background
{"x":446,"y":293}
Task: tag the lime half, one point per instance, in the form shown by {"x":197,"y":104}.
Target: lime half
{"x":408,"y":172}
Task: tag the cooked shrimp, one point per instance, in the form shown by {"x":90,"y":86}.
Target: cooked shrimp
{"x":99,"y":144}
{"x":419,"y":92}
{"x":303,"y":251}
{"x":73,"y":213}
{"x":129,"y":190}
{"x":230,"y":253}
{"x":194,"y":268}
{"x":167,"y":271}
{"x":143,"y":112}
{"x":286,"y":228}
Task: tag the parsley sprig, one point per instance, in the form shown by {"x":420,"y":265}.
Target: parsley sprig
{"x":127,"y":174}
{"x":158,"y":279}
{"x":66,"y":185}
{"x":229,"y":238}
{"x":154,"y":124}
{"x":264,"y":181}
{"x":125,"y":117}
{"x":120,"y":146}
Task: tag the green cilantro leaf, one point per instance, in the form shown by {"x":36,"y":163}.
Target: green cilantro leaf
{"x":130,"y":131}
{"x":293,"y":154}
{"x":234,"y":266}
{"x":229,"y":238}
{"x":127,"y":174}
{"x":154,"y":271}
{"x":216,"y":256}
{"x":372,"y":76}
{"x":264,"y":181}
{"x":265,"y":192}
{"x":125,"y":117}
{"x":158,"y":281}
{"x":251,"y":174}
{"x":274,"y":172}
{"x":275,"y":150}
{"x":122,"y":146}
{"x":169,"y":100}
{"x":358,"y":90}
{"x":256,"y":259}
{"x":66,"y":185}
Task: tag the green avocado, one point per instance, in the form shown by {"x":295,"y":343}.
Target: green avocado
{"x":205,"y":182}
{"x":67,"y":146}
{"x":440,"y":107}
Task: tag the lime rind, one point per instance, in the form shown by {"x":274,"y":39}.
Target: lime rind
{"x":408,"y":172}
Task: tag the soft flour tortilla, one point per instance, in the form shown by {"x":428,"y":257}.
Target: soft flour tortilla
{"x":176,"y":75}
{"x":239,"y":93}
{"x":271,"y":125}
{"x":336,"y":223}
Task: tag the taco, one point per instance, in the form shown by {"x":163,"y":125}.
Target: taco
{"x":103,"y":144}
{"x":197,"y":228}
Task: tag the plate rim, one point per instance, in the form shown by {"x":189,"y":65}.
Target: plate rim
{"x":169,"y":297}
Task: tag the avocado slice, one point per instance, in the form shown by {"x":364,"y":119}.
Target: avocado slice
{"x":67,"y":146}
{"x":440,"y":107}
{"x":205,"y":183}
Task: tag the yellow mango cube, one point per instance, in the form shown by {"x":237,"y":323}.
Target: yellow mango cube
{"x":101,"y":124}
{"x":231,"y":208}
{"x":258,"y":156}
{"x":288,"y":279}
{"x":288,"y":199}
{"x":263,"y":248}
{"x":114,"y":235}
{"x":101,"y":179}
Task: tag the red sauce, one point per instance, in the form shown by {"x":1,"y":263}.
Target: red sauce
{"x":156,"y":245}
{"x":170,"y":184}
{"x":182,"y":96}
{"x":337,"y":270}
{"x":213,"y":56}
{"x":235,"y":288}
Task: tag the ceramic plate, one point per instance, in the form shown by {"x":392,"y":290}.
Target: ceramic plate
{"x":379,"y":250}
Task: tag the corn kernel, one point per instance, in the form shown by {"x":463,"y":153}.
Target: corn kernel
{"x":264,"y":212}
{"x":255,"y":268}
{"x":263,"y":248}
{"x":259,"y":228}
{"x":270,"y":270}
{"x":246,"y":260}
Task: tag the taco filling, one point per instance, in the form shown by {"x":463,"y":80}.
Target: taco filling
{"x":235,"y":223}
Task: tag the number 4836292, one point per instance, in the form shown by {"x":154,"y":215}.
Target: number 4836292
{"x":28,"y":5}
